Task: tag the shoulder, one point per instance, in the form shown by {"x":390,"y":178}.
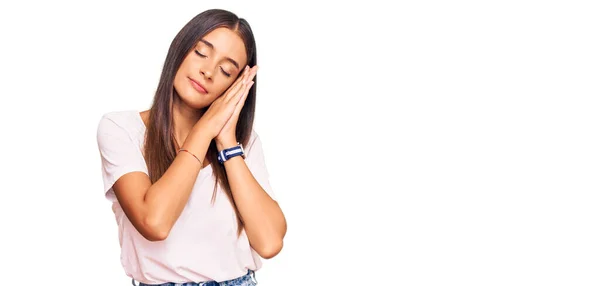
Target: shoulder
{"x":119,"y":117}
{"x":255,"y":144}
{"x":254,"y":138}
{"x":118,"y":123}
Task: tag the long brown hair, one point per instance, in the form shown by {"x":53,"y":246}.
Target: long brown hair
{"x":160,"y":145}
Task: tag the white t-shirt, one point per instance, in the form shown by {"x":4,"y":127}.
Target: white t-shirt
{"x":203,"y":244}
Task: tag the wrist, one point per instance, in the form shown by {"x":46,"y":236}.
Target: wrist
{"x":224,"y":144}
{"x":202,"y":133}
{"x":231,"y":152}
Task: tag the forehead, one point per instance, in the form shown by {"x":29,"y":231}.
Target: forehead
{"x":227,"y":43}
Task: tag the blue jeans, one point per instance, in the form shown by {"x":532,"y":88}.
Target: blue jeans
{"x":247,"y":280}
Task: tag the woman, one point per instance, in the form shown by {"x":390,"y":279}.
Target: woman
{"x":187,"y":177}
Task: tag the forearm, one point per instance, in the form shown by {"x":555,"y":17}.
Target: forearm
{"x":166,"y":199}
{"x":264,"y":221}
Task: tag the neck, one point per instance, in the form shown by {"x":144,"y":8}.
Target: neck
{"x":184,"y":119}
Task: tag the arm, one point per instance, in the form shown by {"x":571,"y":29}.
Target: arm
{"x":153,"y":209}
{"x":264,"y":221}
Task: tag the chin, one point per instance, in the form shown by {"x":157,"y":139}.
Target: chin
{"x":193,"y":99}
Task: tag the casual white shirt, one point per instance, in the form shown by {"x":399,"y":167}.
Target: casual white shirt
{"x":203,"y":244}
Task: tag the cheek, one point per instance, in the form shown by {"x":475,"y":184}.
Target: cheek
{"x":179,"y":81}
{"x":176,"y":81}
{"x":224,"y":87}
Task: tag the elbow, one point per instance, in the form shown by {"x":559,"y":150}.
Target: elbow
{"x":154,"y":230}
{"x":156,"y":236}
{"x":270,"y":250}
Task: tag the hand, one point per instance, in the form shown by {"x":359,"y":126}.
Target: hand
{"x":219,"y":112}
{"x":226,"y":137}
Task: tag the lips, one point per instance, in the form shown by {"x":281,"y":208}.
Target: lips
{"x":197,"y":86}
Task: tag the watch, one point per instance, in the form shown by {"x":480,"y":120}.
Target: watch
{"x":229,"y":153}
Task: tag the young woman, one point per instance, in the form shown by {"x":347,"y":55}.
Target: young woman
{"x":187,"y":177}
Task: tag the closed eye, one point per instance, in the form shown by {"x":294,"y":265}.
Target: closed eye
{"x":204,"y":56}
{"x":198,"y":53}
{"x":225,"y":73}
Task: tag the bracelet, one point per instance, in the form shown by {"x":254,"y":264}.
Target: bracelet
{"x":201,"y":163}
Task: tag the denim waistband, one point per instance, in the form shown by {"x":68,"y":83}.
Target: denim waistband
{"x":247,"y":280}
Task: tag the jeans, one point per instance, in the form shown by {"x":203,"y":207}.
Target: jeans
{"x":247,"y":280}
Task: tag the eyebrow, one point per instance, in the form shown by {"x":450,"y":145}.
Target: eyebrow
{"x":227,"y":58}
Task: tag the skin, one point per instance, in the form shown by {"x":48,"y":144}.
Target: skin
{"x":154,"y":208}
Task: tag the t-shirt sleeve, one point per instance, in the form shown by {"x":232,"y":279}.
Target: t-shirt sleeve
{"x":119,"y":154}
{"x":255,"y":159}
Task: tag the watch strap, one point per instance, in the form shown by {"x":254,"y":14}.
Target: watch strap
{"x":229,"y":153}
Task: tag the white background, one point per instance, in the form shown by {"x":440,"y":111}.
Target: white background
{"x":430,"y":143}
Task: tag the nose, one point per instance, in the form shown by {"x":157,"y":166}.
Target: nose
{"x":207,"y":73}
{"x":207,"y":70}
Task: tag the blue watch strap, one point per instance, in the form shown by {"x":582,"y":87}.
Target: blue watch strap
{"x":229,"y":153}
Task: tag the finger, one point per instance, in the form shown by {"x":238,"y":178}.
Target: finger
{"x":234,"y":90}
{"x":243,"y":97}
{"x":245,"y":90}
{"x":251,"y":73}
{"x":244,"y":74}
{"x":237,"y":85}
{"x":240,"y":96}
{"x":235,"y":113}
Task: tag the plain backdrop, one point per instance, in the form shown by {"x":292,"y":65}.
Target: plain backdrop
{"x":409,"y":143}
